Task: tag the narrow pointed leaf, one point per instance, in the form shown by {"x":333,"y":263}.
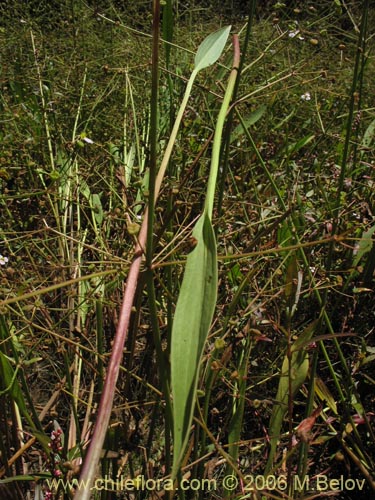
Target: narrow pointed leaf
{"x":291,"y":279}
{"x":369,"y":135}
{"x":9,"y":385}
{"x":248,"y":122}
{"x":211,"y":48}
{"x":193,"y":316}
{"x":364,"y":245}
{"x":294,"y":148}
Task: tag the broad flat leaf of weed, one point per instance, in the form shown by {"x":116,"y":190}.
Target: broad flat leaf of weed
{"x":9,"y":385}
{"x":211,"y":48}
{"x":364,"y":245}
{"x":193,"y":316}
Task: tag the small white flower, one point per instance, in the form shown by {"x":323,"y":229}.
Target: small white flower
{"x":3,"y":260}
{"x":306,"y":96}
{"x":296,"y":33}
{"x":88,"y":140}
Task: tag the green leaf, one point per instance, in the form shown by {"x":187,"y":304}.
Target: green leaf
{"x":194,"y":311}
{"x":364,"y":245}
{"x":9,"y":385}
{"x":285,"y":236}
{"x":293,"y":374}
{"x":211,"y":48}
{"x":26,"y":477}
{"x":248,"y":122}
{"x":96,"y":206}
{"x":236,"y":423}
{"x":369,"y":135}
{"x":168,"y":23}
{"x":291,"y":279}
{"x":294,"y":148}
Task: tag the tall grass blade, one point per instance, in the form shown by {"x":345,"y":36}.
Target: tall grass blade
{"x":9,"y":385}
{"x":293,"y":374}
{"x":168,"y":29}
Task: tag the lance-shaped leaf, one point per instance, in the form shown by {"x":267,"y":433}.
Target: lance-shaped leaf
{"x":211,"y":48}
{"x":193,"y":316}
{"x":9,"y":384}
{"x":293,"y":374}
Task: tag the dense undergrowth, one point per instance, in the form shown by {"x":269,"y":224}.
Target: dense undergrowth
{"x":294,"y":221}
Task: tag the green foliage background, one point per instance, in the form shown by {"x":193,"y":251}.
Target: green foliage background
{"x":294,"y":229}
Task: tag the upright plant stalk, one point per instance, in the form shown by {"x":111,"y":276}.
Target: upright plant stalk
{"x":354,"y":95}
{"x":238,"y":406}
{"x":44,"y":106}
{"x":219,"y":129}
{"x":208,"y":53}
{"x":162,"y":367}
{"x":153,"y":131}
{"x":53,"y":203}
{"x":197,"y":299}
{"x":168,"y":29}
{"x":227,"y":132}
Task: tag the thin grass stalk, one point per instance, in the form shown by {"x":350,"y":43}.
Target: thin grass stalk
{"x":99,"y":343}
{"x":238,"y":406}
{"x":79,"y":108}
{"x":355,"y":93}
{"x":44,"y":105}
{"x":53,"y":203}
{"x":57,"y":286}
{"x":364,"y":58}
{"x":153,"y":131}
{"x":66,"y":190}
{"x":229,"y":124}
{"x":135,"y":120}
{"x":70,"y":384}
{"x":302,"y":462}
{"x":161,"y":361}
{"x":74,"y":255}
{"x":291,"y":279}
{"x":129,"y":355}
{"x":168,"y":31}
{"x":162,"y":367}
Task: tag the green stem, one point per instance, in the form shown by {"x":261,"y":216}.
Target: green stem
{"x":153,"y":131}
{"x":228,"y":127}
{"x":355,"y":92}
{"x":219,"y":129}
